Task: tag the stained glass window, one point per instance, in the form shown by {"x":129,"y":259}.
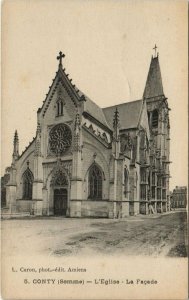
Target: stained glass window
{"x":60,"y":138}
{"x":60,"y":106}
{"x":27,"y":184}
{"x":126,"y":182}
{"x":95,"y":183}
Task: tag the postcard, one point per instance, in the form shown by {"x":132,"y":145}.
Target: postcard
{"x":94,"y":149}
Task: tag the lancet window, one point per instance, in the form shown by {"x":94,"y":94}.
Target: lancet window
{"x":155,"y":116}
{"x":95,"y":182}
{"x":27,"y":184}
{"x":126,"y":182}
{"x":60,"y":107}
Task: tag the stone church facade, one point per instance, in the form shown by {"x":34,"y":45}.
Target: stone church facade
{"x":87,"y":161}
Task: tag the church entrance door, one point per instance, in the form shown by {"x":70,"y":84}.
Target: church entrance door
{"x":60,"y":201}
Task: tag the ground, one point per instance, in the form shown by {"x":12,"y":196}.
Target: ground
{"x":155,"y":235}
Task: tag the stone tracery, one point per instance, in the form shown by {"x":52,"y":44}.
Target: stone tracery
{"x":60,"y":139}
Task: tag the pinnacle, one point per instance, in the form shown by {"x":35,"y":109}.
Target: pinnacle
{"x":116,"y":118}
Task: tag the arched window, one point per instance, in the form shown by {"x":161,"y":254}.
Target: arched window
{"x":58,"y":109}
{"x":143,"y":147}
{"x":155,"y":119}
{"x":95,"y":182}
{"x":27,"y":184}
{"x":60,"y":106}
{"x":126,"y":182}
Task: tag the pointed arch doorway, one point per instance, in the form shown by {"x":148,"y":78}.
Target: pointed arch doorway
{"x":60,"y":193}
{"x":60,"y":201}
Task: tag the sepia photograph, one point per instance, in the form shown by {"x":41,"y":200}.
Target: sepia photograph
{"x":94,"y":149}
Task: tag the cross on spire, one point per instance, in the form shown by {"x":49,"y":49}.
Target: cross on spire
{"x":155,"y":49}
{"x":60,"y":57}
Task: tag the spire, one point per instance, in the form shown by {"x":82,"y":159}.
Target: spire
{"x":116,"y":123}
{"x":60,"y":57}
{"x":16,"y":136}
{"x":15,"y":146}
{"x":154,"y":85}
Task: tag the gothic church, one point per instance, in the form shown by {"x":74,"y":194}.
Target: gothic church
{"x":88,"y":161}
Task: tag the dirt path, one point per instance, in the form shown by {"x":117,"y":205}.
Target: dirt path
{"x":157,"y":235}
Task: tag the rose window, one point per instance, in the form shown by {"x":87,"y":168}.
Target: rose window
{"x":60,"y":138}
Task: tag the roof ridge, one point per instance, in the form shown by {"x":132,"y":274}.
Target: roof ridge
{"x":115,"y":105}
{"x":129,"y":114}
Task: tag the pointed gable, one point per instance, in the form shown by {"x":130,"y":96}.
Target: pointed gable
{"x":154,"y":86}
{"x":70,"y":90}
{"x":60,"y":79}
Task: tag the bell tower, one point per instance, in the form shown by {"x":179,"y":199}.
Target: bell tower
{"x":158,"y":118}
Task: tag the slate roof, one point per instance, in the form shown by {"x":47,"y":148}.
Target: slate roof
{"x":95,"y":111}
{"x":154,"y":86}
{"x":129,"y":114}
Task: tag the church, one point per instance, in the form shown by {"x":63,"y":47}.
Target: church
{"x":88,"y":161}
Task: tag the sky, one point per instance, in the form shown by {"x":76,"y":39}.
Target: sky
{"x":108,"y":47}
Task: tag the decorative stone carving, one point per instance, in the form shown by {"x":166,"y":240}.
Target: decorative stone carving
{"x":60,"y":139}
{"x":102,"y":136}
{"x":126,"y":143}
{"x":37,"y":151}
{"x":59,"y":178}
{"x":54,"y":168}
{"x":76,"y":139}
{"x":67,"y":165}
